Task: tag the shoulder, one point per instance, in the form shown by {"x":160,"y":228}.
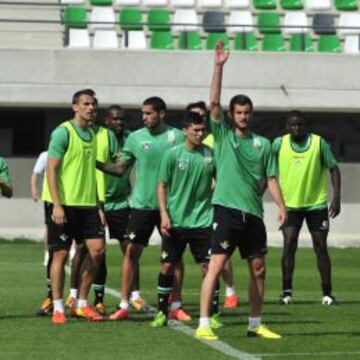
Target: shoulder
{"x":136,"y":134}
{"x":2,"y":163}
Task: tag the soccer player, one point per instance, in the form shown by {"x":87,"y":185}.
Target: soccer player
{"x":72,"y":211}
{"x":304,"y":160}
{"x":5,"y":180}
{"x":184,"y":192}
{"x":243,"y":159}
{"x":231,"y":298}
{"x":145,"y":148}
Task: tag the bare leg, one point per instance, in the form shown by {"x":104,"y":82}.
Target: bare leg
{"x":256,"y":285}
{"x":57,"y":273}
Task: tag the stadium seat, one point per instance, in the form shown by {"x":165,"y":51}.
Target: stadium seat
{"x":295,"y":22}
{"x":182,"y":3}
{"x":185,"y":16}
{"x":264,"y":4}
{"x":318,"y":4}
{"x":75,"y":17}
{"x":213,"y":38}
{"x":133,"y":40}
{"x":161,"y":40}
{"x":104,"y":16}
{"x":123,"y":3}
{"x":101,"y":2}
{"x":209,"y":3}
{"x":292,"y":4}
{"x":269,"y":23}
{"x":349,"y":23}
{"x":346,"y":5}
{"x":72,"y":2}
{"x":242,"y":21}
{"x":245,"y":41}
{"x":301,"y":42}
{"x":154,"y":3}
{"x":190,"y":41}
{"x":79,"y":38}
{"x":158,"y":20}
{"x":130,"y":19}
{"x":213,"y":21}
{"x":329,"y":43}
{"x":105,"y":39}
{"x":352,"y":44}
{"x":324,"y":24}
{"x":273,"y":42}
{"x":237,"y":4}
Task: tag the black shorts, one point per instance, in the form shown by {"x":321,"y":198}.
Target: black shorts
{"x":47,"y":218}
{"x":117,"y":222}
{"x":316,"y":220}
{"x":234,"y":228}
{"x":141,"y":225}
{"x":81,"y":224}
{"x":199,"y":240}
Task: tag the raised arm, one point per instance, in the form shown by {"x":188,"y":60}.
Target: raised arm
{"x":220,"y":59}
{"x":165,"y":218}
{"x":335,"y":205}
{"x":275,"y":192}
{"x":34,"y":186}
{"x":115,"y":169}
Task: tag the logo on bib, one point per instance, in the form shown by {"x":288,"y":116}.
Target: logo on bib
{"x":183,"y":164}
{"x":146,"y":145}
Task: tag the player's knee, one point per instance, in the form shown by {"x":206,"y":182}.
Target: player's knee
{"x":258,"y":268}
{"x":167,"y":268}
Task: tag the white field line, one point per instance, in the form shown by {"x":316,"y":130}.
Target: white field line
{"x":312,"y":354}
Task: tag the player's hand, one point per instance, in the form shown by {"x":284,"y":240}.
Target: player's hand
{"x":35,"y":195}
{"x":221,"y":55}
{"x":335,"y":207}
{"x":165,"y":225}
{"x":282,"y":217}
{"x":58,"y":215}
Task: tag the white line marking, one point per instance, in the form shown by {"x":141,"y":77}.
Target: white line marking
{"x":314,"y":354}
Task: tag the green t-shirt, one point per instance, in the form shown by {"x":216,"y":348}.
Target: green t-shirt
{"x":118,"y":189}
{"x":59,"y":140}
{"x":241,"y":165}
{"x":188,"y":175}
{"x":327,"y":160}
{"x":147,"y":150}
{"x":4,"y":172}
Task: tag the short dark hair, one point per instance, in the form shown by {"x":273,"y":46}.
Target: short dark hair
{"x":190,"y":118}
{"x":157,"y":103}
{"x":199,"y":104}
{"x":113,"y":108}
{"x":295,"y":114}
{"x":240,"y":100}
{"x":77,"y":95}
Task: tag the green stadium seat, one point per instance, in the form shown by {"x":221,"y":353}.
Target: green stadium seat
{"x":159,"y":20}
{"x":346,"y":5}
{"x":101,"y":2}
{"x":75,"y":17}
{"x":292,"y":4}
{"x":301,"y":42}
{"x":190,"y":40}
{"x":162,"y":40}
{"x":245,"y":41}
{"x":264,"y":4}
{"x":329,"y":43}
{"x":130,"y":19}
{"x":269,"y":23}
{"x":213,"y":38}
{"x":273,"y":42}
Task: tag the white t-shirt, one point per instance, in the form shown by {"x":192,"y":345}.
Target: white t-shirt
{"x":40,"y":164}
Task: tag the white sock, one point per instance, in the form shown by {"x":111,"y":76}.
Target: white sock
{"x":134,"y":295}
{"x":74,"y":293}
{"x":254,"y":321}
{"x":58,"y":305}
{"x":46,"y":257}
{"x":124,"y":305}
{"x":230,"y":290}
{"x":204,"y":322}
{"x":175,"y":305}
{"x":81,"y":303}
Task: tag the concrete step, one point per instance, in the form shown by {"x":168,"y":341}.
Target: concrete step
{"x":31,"y":39}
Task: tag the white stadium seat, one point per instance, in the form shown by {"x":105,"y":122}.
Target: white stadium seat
{"x":185,"y":16}
{"x":243,"y":21}
{"x":104,"y":16}
{"x":105,"y":39}
{"x":295,"y":22}
{"x":79,"y":38}
{"x":135,"y":40}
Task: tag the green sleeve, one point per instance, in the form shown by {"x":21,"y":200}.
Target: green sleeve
{"x":327,"y":156}
{"x":4,"y":172}
{"x":113,"y":146}
{"x":128,"y":152}
{"x":59,"y":143}
{"x":166,"y":168}
{"x":276,"y":146}
{"x":270,"y":161}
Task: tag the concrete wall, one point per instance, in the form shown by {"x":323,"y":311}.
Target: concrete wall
{"x":48,"y":77}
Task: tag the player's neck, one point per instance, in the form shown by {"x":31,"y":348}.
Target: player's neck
{"x":160,"y":128}
{"x":191,"y":146}
{"x":80,"y":122}
{"x":242,"y":132}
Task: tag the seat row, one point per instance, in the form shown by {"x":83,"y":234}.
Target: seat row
{"x":137,"y":40}
{"x":341,"y":5}
{"x":212,"y":21}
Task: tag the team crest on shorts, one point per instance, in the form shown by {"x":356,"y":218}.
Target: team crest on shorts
{"x":183,"y":164}
{"x":224,"y":244}
{"x":146,"y":145}
{"x":164,"y":255}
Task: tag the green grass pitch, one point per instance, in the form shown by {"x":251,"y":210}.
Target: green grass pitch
{"x":310,"y":330}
